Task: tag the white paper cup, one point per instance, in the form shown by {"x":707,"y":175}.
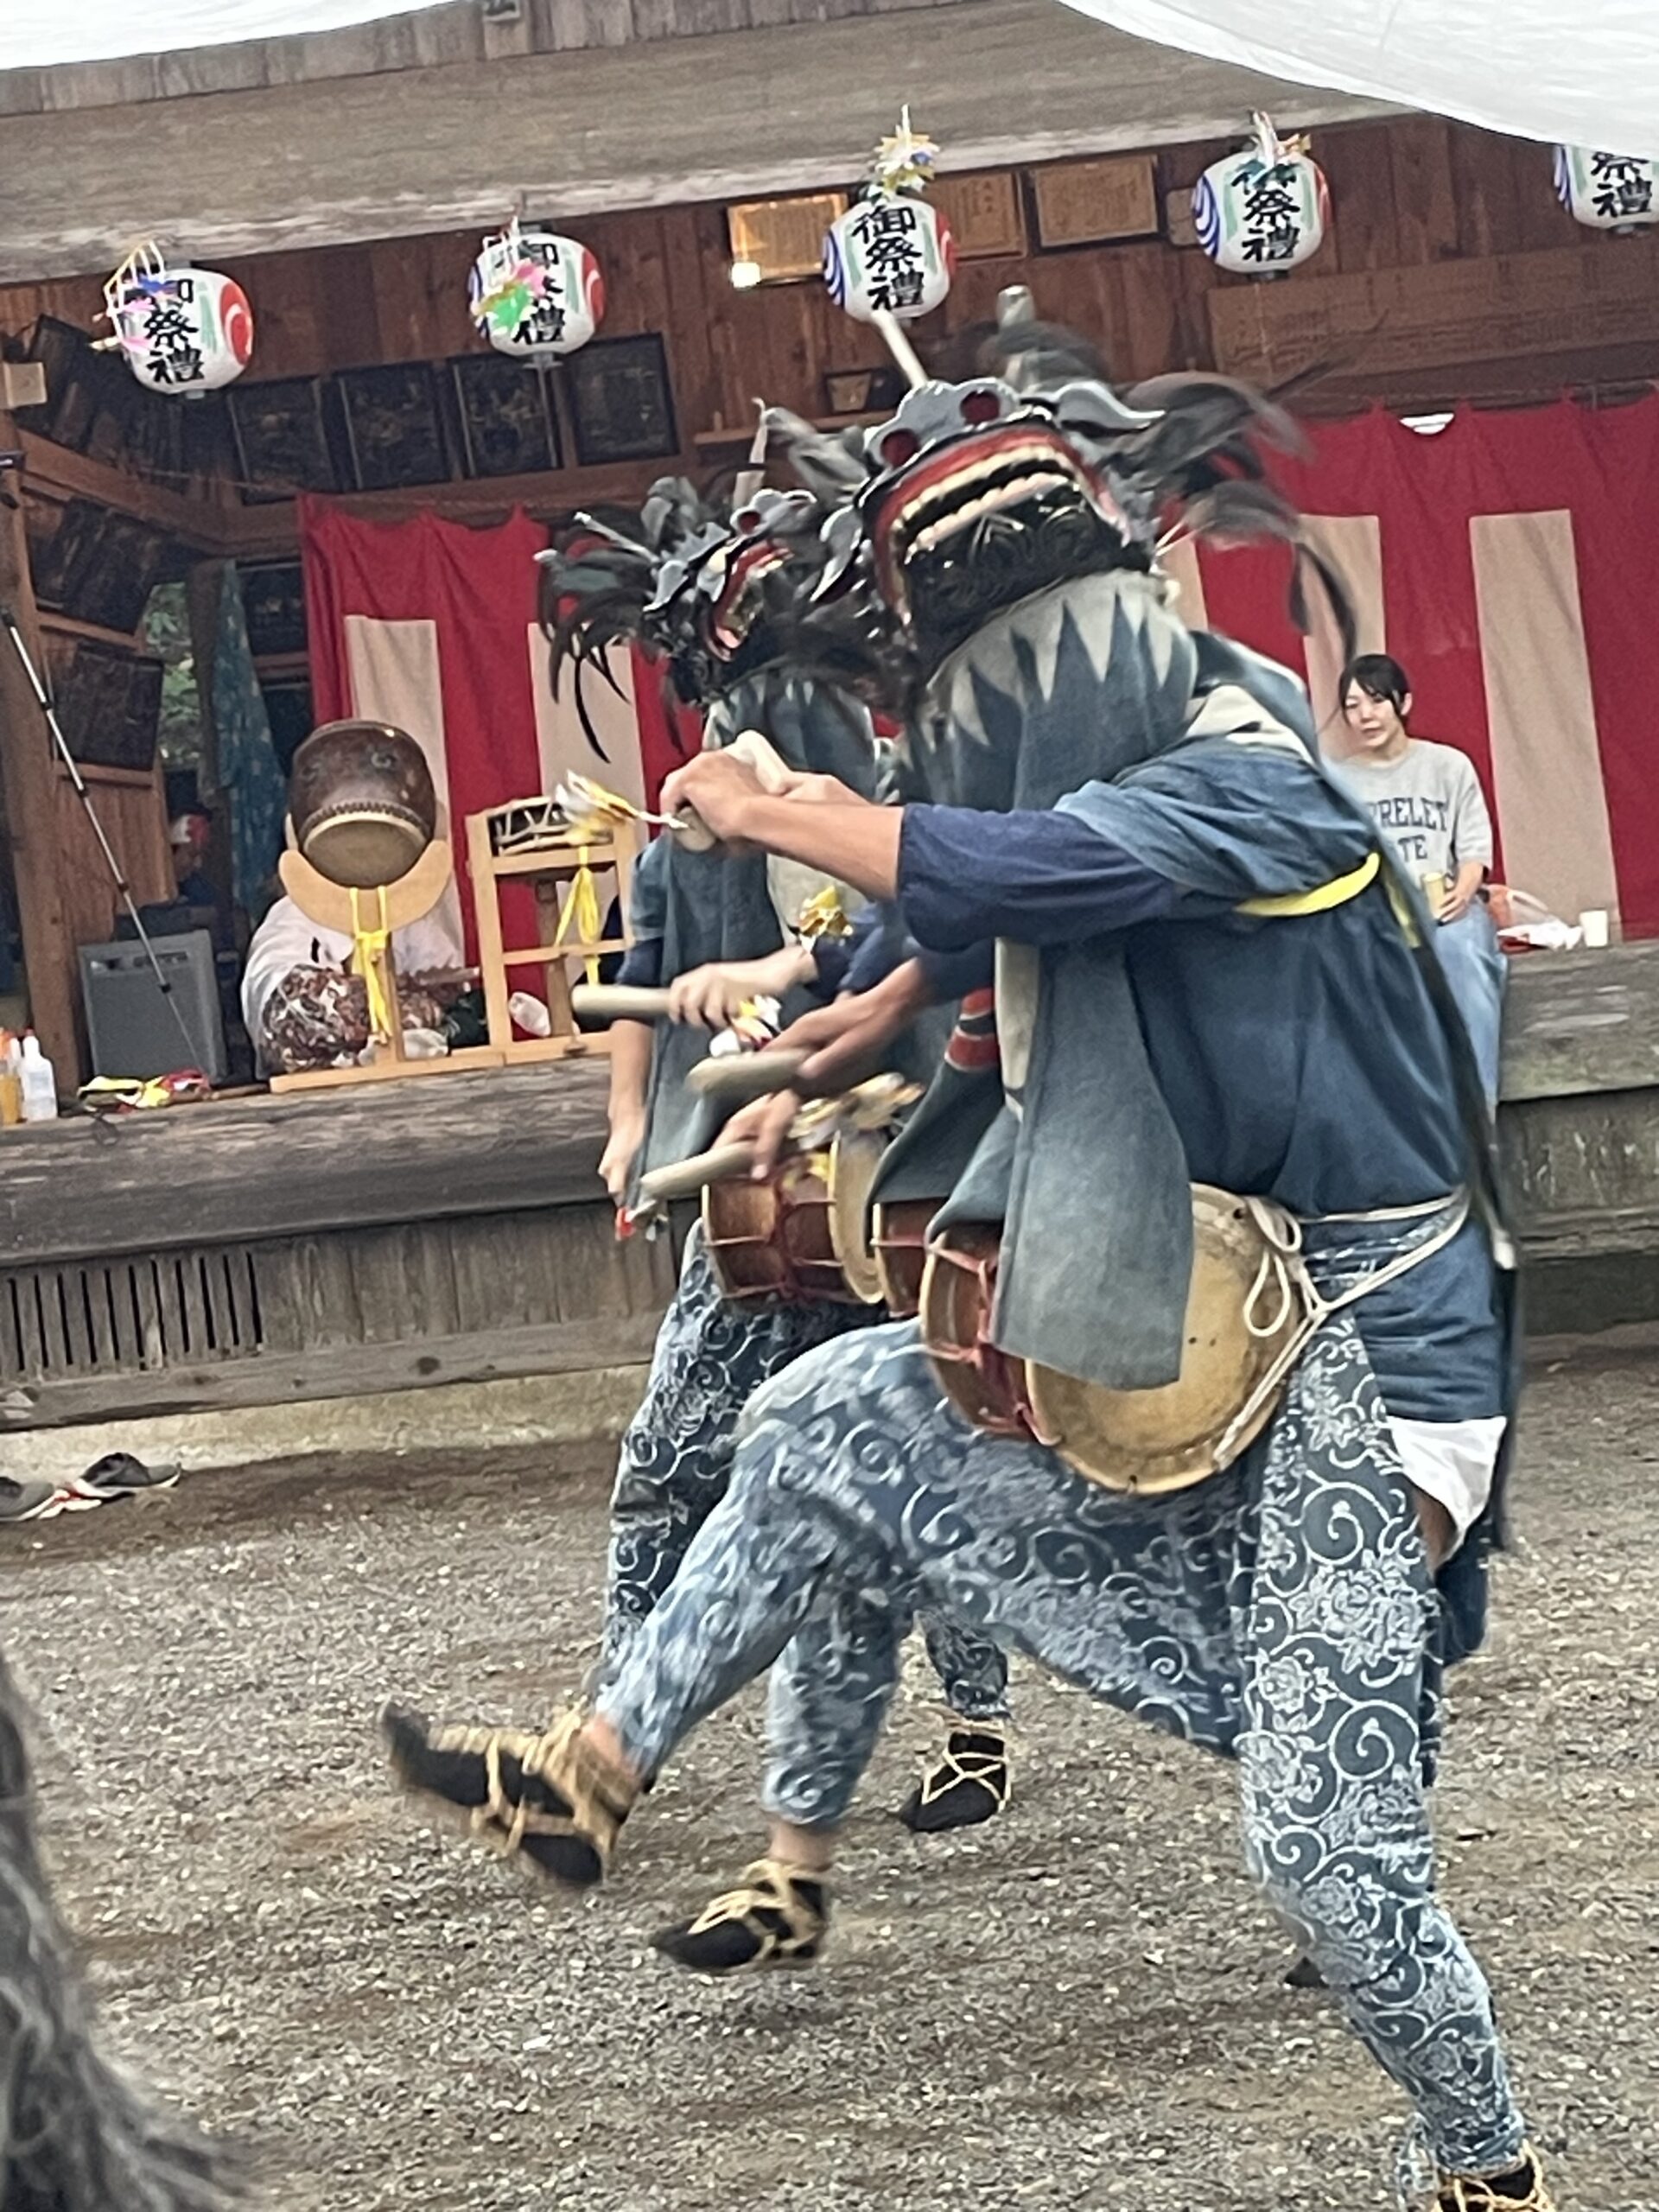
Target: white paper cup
{"x":1594,"y":924}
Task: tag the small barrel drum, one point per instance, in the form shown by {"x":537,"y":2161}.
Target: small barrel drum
{"x":776,"y":1239}
{"x":854,"y":1159}
{"x":899,"y":1240}
{"x":1248,"y":1311}
{"x":362,"y":803}
{"x":958,"y":1290}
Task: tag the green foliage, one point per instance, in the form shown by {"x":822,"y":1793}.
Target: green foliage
{"x":167,"y":632}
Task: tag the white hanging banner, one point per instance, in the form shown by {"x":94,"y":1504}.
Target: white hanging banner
{"x":37,"y":34}
{"x":1583,"y":78}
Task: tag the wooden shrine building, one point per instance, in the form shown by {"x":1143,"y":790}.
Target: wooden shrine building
{"x":345,"y":180}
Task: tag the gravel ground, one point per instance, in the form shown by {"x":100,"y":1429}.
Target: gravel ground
{"x":1080,"y":2004}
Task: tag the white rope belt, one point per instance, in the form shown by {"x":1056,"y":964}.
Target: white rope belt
{"x":1283,"y":1276}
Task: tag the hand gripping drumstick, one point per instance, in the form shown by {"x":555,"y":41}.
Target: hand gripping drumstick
{"x":724,"y":1163}
{"x":735,"y":1076}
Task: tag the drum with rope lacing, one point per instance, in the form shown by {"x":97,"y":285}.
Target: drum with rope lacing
{"x":1250,"y":1308}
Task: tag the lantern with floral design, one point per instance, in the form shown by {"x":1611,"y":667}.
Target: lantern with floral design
{"x":182,"y":329}
{"x":535,"y":295}
{"x":1607,"y":191}
{"x":891,"y":253}
{"x":1264,"y":210}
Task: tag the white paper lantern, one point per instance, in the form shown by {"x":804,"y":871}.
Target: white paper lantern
{"x":182,"y":329}
{"x":891,"y":253}
{"x":1264,"y":210}
{"x":537,"y":295}
{"x":1607,"y":191}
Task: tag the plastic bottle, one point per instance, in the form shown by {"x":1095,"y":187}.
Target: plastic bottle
{"x":40,"y":1084}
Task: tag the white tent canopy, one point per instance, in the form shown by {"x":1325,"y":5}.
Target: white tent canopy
{"x":1583,"y":76}
{"x":38,"y":33}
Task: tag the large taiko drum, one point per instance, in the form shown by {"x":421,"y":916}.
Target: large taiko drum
{"x":1247,"y":1312}
{"x":362,"y":803}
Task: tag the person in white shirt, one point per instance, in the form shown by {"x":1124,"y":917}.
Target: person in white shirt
{"x":1426,"y":800}
{"x":302,"y":1007}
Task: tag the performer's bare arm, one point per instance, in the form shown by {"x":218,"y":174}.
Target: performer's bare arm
{"x":630,"y":1071}
{"x":708,"y":997}
{"x":816,"y":821}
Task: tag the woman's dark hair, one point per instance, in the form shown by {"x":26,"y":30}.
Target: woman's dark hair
{"x":1380,"y":675}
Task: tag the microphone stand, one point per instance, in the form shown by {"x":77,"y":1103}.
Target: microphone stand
{"x":8,"y":623}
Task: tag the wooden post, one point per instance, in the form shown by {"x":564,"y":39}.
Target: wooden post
{"x":486,"y":913}
{"x":29,"y":777}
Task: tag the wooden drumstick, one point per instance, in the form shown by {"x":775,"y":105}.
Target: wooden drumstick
{"x":737,"y":1076}
{"x":759,"y":755}
{"x":693,"y":832}
{"x":686,"y":1178}
{"x":618,"y":1002}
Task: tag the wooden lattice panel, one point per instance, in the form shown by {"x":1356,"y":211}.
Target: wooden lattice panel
{"x":128,"y":1316}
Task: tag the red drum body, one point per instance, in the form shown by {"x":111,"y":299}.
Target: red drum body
{"x":958,"y":1291}
{"x":776,"y":1239}
{"x":1248,"y":1314}
{"x":898,"y":1241}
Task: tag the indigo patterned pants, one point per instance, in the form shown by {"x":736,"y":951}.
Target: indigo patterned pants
{"x":1282,"y":1613}
{"x":677,"y":1463}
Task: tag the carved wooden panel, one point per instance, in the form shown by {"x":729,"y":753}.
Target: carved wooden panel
{"x":1079,"y":203}
{"x":985,"y":211}
{"x":784,"y":238}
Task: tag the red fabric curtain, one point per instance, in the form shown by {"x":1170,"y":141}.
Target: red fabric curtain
{"x":1510,"y":561}
{"x":432,"y":625}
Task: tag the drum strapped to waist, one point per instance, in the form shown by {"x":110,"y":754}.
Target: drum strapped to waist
{"x":898,"y":1240}
{"x":802,"y":1234}
{"x":1251,"y":1309}
{"x":798,"y":1235}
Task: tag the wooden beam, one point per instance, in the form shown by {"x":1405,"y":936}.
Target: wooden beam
{"x":54,"y":472}
{"x":737,"y":114}
{"x":28,"y":775}
{"x":431,"y":37}
{"x":353,"y":1371}
{"x":272,"y":527}
{"x":263,"y":1167}
{"x":69,"y":626}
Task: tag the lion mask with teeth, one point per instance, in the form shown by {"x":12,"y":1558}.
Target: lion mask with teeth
{"x":688,"y":580}
{"x":992,"y":562}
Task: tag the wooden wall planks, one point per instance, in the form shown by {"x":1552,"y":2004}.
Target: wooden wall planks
{"x":1417,"y":200}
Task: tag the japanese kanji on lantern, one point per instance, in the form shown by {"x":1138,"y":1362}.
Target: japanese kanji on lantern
{"x":891,"y":253}
{"x":1608,"y":192}
{"x":1264,"y":209}
{"x":535,"y":294}
{"x":182,"y":329}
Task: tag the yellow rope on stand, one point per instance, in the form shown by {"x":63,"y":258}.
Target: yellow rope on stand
{"x":370,"y":947}
{"x":581,"y":907}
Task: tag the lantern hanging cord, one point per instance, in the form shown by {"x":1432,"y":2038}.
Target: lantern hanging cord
{"x":72,"y":767}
